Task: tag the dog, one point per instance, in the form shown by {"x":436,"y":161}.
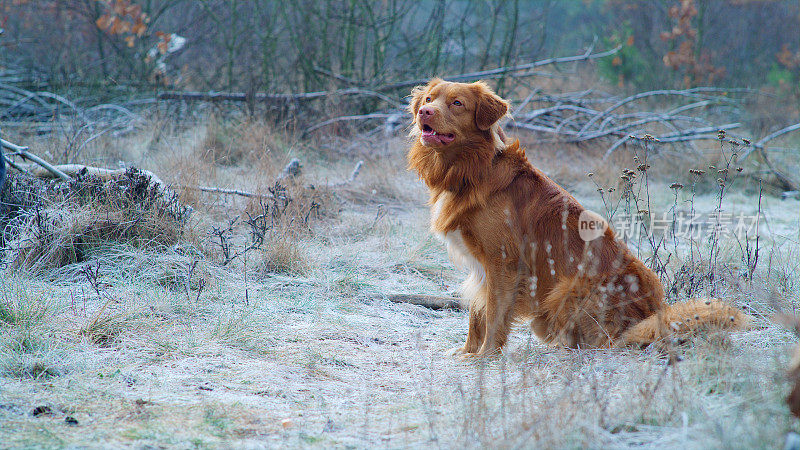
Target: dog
{"x":519,"y":235}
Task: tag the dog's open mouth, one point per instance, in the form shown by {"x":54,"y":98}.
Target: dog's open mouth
{"x":431,"y":136}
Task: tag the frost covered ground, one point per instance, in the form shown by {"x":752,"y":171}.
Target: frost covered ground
{"x":314,"y":355}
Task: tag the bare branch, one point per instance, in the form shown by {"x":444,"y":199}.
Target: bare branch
{"x":693,"y":93}
{"x":25,"y":154}
{"x":588,"y":55}
{"x":767,"y":138}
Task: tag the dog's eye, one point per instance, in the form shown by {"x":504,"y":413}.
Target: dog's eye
{"x":427,"y":99}
{"x":457,"y":103}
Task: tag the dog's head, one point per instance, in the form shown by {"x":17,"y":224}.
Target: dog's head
{"x":449,"y":114}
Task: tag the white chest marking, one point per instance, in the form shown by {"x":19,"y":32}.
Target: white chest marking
{"x":459,"y":252}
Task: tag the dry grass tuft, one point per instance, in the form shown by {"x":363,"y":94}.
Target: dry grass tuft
{"x":232,"y":142}
{"x":62,"y":228}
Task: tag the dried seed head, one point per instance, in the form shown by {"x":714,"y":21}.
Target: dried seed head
{"x":590,"y":174}
{"x":721,"y":134}
{"x":643,"y":167}
{"x":722,"y":171}
{"x":746,"y":142}
{"x":739,"y":169}
{"x":712,"y":167}
{"x":675,"y":186}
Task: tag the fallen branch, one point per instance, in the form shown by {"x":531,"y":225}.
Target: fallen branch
{"x":25,"y":154}
{"x":355,"y":172}
{"x":264,"y":97}
{"x":696,"y":134}
{"x":428,"y":301}
{"x":767,"y":138}
{"x":587,"y":55}
{"x":787,"y":183}
{"x":692,"y":93}
{"x":216,"y":190}
{"x":15,"y":165}
{"x":375,"y":92}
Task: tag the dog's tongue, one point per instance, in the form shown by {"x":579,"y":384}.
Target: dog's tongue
{"x":440,"y":138}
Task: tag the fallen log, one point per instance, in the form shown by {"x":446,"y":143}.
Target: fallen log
{"x":428,"y":301}
{"x":283,"y":99}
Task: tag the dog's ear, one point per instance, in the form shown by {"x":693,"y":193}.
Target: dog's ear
{"x":490,"y":108}
{"x":416,"y":99}
{"x":418,"y":93}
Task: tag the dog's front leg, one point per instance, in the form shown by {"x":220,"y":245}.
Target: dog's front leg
{"x":498,"y":322}
{"x":477,"y":327}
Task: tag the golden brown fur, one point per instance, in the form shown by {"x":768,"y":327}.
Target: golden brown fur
{"x":516,"y":231}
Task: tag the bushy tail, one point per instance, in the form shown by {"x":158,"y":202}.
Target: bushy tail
{"x":684,"y":319}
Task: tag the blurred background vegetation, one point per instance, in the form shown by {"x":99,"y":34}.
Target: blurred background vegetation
{"x":118,"y":47}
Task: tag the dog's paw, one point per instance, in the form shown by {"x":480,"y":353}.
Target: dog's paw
{"x":456,"y":351}
{"x":480,"y":354}
{"x":473,"y":356}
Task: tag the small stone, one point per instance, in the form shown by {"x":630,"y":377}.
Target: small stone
{"x":41,"y":410}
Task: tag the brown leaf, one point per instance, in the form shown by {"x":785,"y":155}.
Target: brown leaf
{"x":104,"y":21}
{"x":139,"y":28}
